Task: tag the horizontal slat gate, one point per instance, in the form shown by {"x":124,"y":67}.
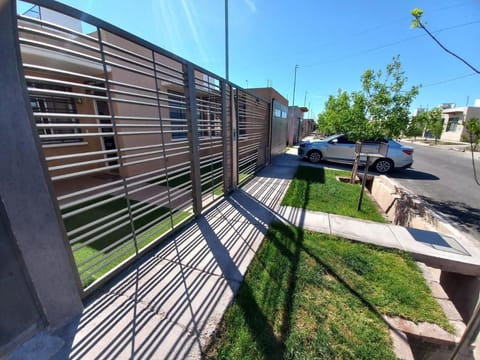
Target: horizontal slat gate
{"x":114,"y":121}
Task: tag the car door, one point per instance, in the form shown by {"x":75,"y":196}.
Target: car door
{"x":341,"y":149}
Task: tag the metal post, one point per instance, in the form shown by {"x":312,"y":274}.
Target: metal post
{"x":227,"y":163}
{"x":123,"y":172}
{"x":226,"y":40}
{"x":191,"y":112}
{"x":294,"y":84}
{"x":162,"y":135}
{"x":234,"y":111}
{"x":364,"y":180}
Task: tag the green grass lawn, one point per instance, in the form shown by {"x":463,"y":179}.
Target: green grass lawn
{"x":314,"y":296}
{"x":318,"y":189}
{"x":91,"y":263}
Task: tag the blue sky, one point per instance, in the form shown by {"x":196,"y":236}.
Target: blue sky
{"x":333,"y":42}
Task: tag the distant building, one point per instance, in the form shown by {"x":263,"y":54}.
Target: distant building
{"x":295,"y":119}
{"x":279,"y":122}
{"x":308,"y":126}
{"x":445,"y":106}
{"x":418,"y":111}
{"x":454,"y":118}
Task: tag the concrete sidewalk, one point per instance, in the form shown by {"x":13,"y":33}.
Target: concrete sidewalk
{"x":169,"y":304}
{"x":434,"y":249}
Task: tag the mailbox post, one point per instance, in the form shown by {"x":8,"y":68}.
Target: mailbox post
{"x":371,"y":150}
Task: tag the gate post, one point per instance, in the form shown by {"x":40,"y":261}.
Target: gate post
{"x":226,"y":139}
{"x":26,"y":191}
{"x":234,"y":124}
{"x":192,"y":121}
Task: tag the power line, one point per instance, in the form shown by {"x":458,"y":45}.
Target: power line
{"x":449,"y":80}
{"x":422,"y":26}
{"x":392,"y":44}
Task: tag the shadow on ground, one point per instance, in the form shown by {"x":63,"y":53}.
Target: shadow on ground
{"x":168,"y":304}
{"x":412,"y":174}
{"x":463,"y":216}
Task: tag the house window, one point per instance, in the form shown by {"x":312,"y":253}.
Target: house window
{"x":176,"y":104}
{"x":208,"y":115}
{"x":452,"y":124}
{"x":45,"y":103}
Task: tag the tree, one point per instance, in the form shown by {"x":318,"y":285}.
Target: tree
{"x":379,"y":109}
{"x":416,"y":126}
{"x":344,"y":113}
{"x":473,"y":135}
{"x":434,"y":123}
{"x":387,"y":100}
{"x":473,"y":132}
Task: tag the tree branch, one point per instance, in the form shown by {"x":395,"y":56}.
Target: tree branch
{"x":445,"y":49}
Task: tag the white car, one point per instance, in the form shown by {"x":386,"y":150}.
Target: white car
{"x":339,"y":148}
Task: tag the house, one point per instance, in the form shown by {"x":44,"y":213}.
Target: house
{"x":308,"y":126}
{"x":454,"y":118}
{"x":295,"y":119}
{"x":279,"y":124}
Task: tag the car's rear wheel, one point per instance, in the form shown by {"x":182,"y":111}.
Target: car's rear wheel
{"x":314,"y":156}
{"x":383,"y":165}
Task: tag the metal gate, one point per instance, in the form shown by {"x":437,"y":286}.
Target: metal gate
{"x":253,"y":125}
{"x":137,"y":141}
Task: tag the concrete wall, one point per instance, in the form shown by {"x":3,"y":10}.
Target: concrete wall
{"x":405,"y":209}
{"x":20,"y":315}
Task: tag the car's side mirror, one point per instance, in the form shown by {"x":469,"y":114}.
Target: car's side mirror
{"x":334,"y":141}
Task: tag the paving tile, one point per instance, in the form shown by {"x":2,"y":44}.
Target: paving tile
{"x":126,"y":329}
{"x":270,"y":192}
{"x":215,"y":248}
{"x":183,"y":295}
{"x":310,"y":220}
{"x":365,"y":231}
{"x":400,"y":346}
{"x":403,"y":237}
{"x":45,"y":344}
{"x":450,"y":310}
{"x":437,"y":290}
{"x":241,"y":207}
{"x":279,"y":172}
{"x":317,"y":221}
{"x":459,"y":328}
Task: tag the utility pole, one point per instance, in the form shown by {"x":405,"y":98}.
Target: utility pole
{"x":305,"y":99}
{"x":294,"y":84}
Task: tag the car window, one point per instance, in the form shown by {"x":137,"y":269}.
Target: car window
{"x":383,"y":140}
{"x":330,"y":138}
{"x":344,"y":140}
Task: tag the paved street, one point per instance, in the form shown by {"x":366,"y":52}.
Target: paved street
{"x":444,"y":179}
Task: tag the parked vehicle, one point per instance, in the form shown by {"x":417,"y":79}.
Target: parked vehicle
{"x":338,"y":148}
